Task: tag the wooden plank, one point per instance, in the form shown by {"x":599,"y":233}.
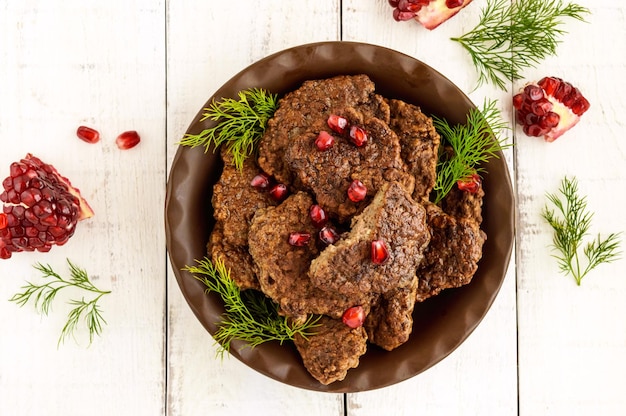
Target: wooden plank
{"x":480,"y":377}
{"x":572,"y":339}
{"x":207,"y":46}
{"x":63,"y":64}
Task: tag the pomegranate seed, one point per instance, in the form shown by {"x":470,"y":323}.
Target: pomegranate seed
{"x":400,"y":16}
{"x":354,"y":316}
{"x":470,"y":184}
{"x":127,"y":140}
{"x":533,"y":92}
{"x":357,"y":191}
{"x":318,"y":216}
{"x":379,"y":252}
{"x":260,"y":181}
{"x":299,"y":239}
{"x":451,"y":4}
{"x":279,"y":192}
{"x":358,"y":136}
{"x":337,"y":123}
{"x":328,"y":235}
{"x":43,"y":213}
{"x":88,"y":134}
{"x":518,"y":100}
{"x":324,"y":141}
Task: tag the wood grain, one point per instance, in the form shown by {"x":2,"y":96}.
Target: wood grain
{"x":546,"y":346}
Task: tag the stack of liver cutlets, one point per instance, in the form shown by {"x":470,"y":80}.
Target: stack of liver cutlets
{"x":429,"y":247}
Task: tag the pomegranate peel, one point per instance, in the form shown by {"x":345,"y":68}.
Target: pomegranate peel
{"x":40,"y":208}
{"x":429,"y":13}
{"x":549,"y":108}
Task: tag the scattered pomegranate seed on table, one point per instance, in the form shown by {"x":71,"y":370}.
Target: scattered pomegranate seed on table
{"x":380,"y":254}
{"x":324,"y":141}
{"x":354,"y":317}
{"x":87,"y":134}
{"x":127,"y":140}
{"x":40,"y":208}
{"x":357,"y":191}
{"x":299,"y":239}
{"x":549,"y":108}
{"x":470,"y":184}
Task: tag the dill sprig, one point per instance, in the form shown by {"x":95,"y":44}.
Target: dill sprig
{"x":514,"y":35}
{"x":44,"y":294}
{"x":570,"y":227}
{"x":471,"y":145}
{"x":240,"y":123}
{"x":249,"y":316}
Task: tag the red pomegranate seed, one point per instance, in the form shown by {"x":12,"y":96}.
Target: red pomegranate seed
{"x":3,"y":221}
{"x":379,"y":252}
{"x":88,"y":134}
{"x":337,"y":123}
{"x":470,"y":184}
{"x":357,"y":191}
{"x":299,"y":239}
{"x":279,"y":192}
{"x":260,"y":181}
{"x":127,"y":140}
{"x":328,"y":235}
{"x":451,"y":4}
{"x":358,"y":136}
{"x":354,"y":316}
{"x":324,"y":141}
{"x":318,"y":216}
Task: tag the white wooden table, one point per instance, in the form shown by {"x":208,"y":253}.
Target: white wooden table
{"x":547,"y":346}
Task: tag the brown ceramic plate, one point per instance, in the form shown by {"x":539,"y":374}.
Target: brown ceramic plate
{"x":441,"y":323}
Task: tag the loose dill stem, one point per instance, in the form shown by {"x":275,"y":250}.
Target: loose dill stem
{"x":44,"y":294}
{"x":570,"y":226}
{"x":514,"y":35}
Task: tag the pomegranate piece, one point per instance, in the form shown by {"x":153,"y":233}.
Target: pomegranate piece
{"x":324,"y":141}
{"x":88,"y":134}
{"x":318,"y":215}
{"x":260,"y":181}
{"x":127,"y":140}
{"x":328,"y":235}
{"x":299,"y":239}
{"x":357,"y":191}
{"x":380,"y":253}
{"x":358,"y":136}
{"x":549,"y":108}
{"x":337,"y":123}
{"x":354,"y":316}
{"x":470,"y":184}
{"x":279,"y":192}
{"x":40,"y":208}
{"x":429,"y":13}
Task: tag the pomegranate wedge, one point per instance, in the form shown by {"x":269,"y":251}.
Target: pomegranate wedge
{"x":549,"y":108}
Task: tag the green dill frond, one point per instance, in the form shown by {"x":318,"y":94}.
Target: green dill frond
{"x":249,"y":316}
{"x":514,"y":35}
{"x":471,"y":144}
{"x":571,"y":221}
{"x":240,"y":123}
